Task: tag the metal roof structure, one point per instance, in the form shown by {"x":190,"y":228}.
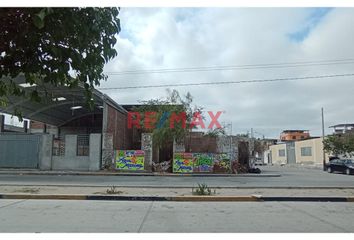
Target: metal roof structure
{"x":342,"y":125}
{"x":63,"y":106}
{"x":296,"y":130}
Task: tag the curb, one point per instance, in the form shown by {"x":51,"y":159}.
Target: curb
{"x":252,"y":198}
{"x":171,"y":187}
{"x":215,"y":199}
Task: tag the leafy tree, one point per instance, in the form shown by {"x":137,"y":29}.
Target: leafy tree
{"x":216,"y":132}
{"x":164,"y":108}
{"x":340,"y":144}
{"x":57,"y":46}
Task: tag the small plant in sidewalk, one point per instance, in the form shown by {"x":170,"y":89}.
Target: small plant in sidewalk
{"x":113,"y":190}
{"x":202,"y":189}
{"x":28,"y":190}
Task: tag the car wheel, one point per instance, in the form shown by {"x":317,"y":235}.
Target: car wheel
{"x":348,"y":172}
{"x":329,"y":169}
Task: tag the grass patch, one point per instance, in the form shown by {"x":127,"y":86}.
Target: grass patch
{"x":113,"y":190}
{"x":202,"y":189}
{"x":28,"y":190}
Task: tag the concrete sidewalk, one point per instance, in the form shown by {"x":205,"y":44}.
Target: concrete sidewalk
{"x":163,"y":192}
{"x":111,"y":173}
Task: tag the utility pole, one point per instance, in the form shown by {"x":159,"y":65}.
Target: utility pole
{"x":231,"y":153}
{"x":252,"y":149}
{"x":323,"y":135}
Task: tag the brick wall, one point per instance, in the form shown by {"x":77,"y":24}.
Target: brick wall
{"x":200,"y":143}
{"x":117,"y":126}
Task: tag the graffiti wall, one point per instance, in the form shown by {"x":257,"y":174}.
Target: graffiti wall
{"x":201,"y":162}
{"x":222,"y":163}
{"x":183,"y":163}
{"x":129,"y":159}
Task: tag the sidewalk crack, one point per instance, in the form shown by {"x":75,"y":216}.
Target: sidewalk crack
{"x":10,"y":204}
{"x":145,"y":217}
{"x":314,"y":216}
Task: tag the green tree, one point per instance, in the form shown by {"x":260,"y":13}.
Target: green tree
{"x":57,"y":46}
{"x":340,"y":144}
{"x":216,"y":132}
{"x":164,"y":108}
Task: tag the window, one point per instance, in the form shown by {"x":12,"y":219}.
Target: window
{"x":302,"y":137}
{"x":294,"y":137}
{"x":59,"y":146}
{"x":306,"y":151}
{"x":83,"y":145}
{"x":281,"y":153}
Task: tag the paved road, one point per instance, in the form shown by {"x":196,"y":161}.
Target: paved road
{"x":115,"y":216}
{"x":290,"y":177}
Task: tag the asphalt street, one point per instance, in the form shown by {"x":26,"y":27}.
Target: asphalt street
{"x":290,"y":177}
{"x":121,"y":216}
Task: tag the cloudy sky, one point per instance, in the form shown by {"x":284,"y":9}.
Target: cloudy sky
{"x":205,"y":37}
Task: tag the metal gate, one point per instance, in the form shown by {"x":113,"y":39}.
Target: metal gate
{"x":19,"y":151}
{"x":290,"y":153}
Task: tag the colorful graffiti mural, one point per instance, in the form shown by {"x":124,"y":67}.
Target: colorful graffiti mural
{"x":183,"y":163}
{"x":222,"y":163}
{"x":130,"y":159}
{"x":203,"y":162}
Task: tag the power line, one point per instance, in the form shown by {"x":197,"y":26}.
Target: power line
{"x":236,"y":67}
{"x":230,"y":82}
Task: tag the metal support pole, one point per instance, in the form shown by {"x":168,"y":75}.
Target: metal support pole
{"x":2,"y":123}
{"x":25,"y":126}
{"x":323,"y":135}
{"x":231,"y":154}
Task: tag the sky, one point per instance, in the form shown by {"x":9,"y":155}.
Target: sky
{"x":159,"y":38}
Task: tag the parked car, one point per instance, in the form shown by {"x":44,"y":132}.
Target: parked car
{"x":341,"y":165}
{"x":258,"y":161}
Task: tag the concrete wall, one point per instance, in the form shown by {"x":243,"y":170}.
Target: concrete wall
{"x":45,"y":152}
{"x":146,"y":145}
{"x":70,"y":161}
{"x":276,"y":159}
{"x":316,"y":146}
{"x":178,"y":146}
{"x":267,"y":158}
{"x":107,"y":151}
{"x":229,"y":145}
{"x":95,"y":152}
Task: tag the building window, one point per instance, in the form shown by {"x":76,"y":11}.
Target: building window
{"x":306,"y":151}
{"x":83,"y":145}
{"x":59,"y":146}
{"x":281,"y":153}
{"x":302,"y":137}
{"x":294,"y":137}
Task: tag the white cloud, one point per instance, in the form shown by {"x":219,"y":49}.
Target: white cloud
{"x":175,"y":38}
